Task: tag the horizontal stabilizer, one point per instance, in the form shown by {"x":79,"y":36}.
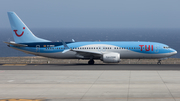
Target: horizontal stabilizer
{"x":15,"y":44}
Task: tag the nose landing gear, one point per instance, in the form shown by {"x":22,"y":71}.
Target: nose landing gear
{"x":159,"y":62}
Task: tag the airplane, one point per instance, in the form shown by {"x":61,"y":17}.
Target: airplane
{"x":106,"y":51}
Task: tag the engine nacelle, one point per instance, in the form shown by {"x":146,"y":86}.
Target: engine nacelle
{"x":111,"y":58}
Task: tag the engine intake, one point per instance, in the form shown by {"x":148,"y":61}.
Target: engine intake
{"x":111,"y":58}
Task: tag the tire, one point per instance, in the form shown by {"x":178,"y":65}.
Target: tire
{"x":159,"y":63}
{"x":91,"y":62}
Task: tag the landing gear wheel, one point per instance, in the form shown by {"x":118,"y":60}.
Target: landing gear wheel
{"x":159,"y":62}
{"x":91,"y":62}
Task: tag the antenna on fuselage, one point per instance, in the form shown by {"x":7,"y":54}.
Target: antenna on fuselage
{"x":73,"y":40}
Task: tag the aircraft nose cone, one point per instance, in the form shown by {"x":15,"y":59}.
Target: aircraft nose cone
{"x":173,"y":52}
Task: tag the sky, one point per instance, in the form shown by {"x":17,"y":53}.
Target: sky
{"x":93,"y":13}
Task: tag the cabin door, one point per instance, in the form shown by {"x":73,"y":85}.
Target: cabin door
{"x":156,"y":48}
{"x":37,"y":48}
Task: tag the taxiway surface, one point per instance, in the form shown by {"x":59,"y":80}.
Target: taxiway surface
{"x":90,"y":67}
{"x":80,"y":82}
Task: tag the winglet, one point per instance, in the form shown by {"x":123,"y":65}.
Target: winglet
{"x":65,"y":45}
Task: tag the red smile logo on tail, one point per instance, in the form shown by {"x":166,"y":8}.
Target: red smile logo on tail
{"x":18,"y":34}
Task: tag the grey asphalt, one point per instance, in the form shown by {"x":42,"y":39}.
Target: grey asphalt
{"x":92,"y":67}
{"x":81,"y":82}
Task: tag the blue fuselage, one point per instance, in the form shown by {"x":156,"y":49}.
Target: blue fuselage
{"x":129,"y":49}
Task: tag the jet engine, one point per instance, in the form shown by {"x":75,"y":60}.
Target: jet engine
{"x":111,"y":58}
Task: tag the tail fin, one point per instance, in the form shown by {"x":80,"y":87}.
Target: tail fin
{"x":21,"y":32}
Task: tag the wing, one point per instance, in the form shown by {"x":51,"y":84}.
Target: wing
{"x":82,"y":53}
{"x":87,"y":54}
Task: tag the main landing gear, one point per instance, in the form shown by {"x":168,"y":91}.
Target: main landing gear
{"x":91,"y":62}
{"x":159,"y":62}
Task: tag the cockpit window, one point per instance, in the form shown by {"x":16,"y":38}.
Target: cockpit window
{"x":165,"y":47}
